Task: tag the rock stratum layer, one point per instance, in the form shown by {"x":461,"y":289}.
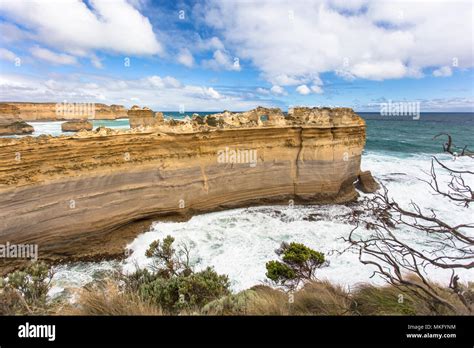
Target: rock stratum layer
{"x":61,"y":111}
{"x":74,"y":196}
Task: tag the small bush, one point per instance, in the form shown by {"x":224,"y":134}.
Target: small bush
{"x":172,"y":284}
{"x":26,"y":291}
{"x":186,"y":292}
{"x":299,"y":264}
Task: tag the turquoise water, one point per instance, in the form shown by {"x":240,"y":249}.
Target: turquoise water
{"x":407,"y":136}
{"x":121,"y":123}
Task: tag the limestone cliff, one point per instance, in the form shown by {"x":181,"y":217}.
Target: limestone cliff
{"x":67,"y":111}
{"x":144,"y":117}
{"x":74,"y":195}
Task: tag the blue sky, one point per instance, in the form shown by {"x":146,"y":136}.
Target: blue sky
{"x":236,"y":55}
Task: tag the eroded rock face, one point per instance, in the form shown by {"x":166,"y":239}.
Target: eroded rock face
{"x":76,"y":126}
{"x":144,"y":117}
{"x":366,"y":182}
{"x":49,"y":111}
{"x":258,"y":117}
{"x":14,"y":126}
{"x":88,"y":186}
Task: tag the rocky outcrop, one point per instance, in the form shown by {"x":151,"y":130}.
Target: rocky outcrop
{"x":366,"y":182}
{"x":61,"y":111}
{"x":144,"y":117}
{"x":74,"y":196}
{"x":76,"y":126}
{"x":13,"y":126}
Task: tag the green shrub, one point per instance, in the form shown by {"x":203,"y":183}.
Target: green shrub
{"x":167,"y":261}
{"x":185,"y":292}
{"x":279,"y":272}
{"x":172,"y":284}
{"x":298,"y":264}
{"x":26,"y":291}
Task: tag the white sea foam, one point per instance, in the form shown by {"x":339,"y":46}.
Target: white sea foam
{"x":239,"y":242}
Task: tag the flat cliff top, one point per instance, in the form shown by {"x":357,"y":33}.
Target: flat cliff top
{"x":30,"y":160}
{"x":255,"y":119}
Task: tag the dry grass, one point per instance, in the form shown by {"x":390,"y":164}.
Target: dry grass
{"x":107,"y":299}
{"x":324,"y":298}
{"x":402,"y":300}
{"x":315,"y":298}
{"x":268,"y":301}
{"x":321,"y":298}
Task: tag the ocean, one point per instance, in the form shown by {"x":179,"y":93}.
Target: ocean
{"x":239,"y":242}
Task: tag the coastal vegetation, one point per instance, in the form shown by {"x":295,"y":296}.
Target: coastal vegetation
{"x":172,"y":287}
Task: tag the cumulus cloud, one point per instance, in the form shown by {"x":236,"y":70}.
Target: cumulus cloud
{"x":213,"y":93}
{"x":263,"y":91}
{"x":71,"y":26}
{"x":52,"y":57}
{"x":316,"y":89}
{"x":303,"y":90}
{"x":278,"y":90}
{"x":443,"y":71}
{"x":222,"y":61}
{"x":372,"y":39}
{"x":186,"y":58}
{"x":165,"y":82}
{"x":213,"y":43}
{"x":159,"y":93}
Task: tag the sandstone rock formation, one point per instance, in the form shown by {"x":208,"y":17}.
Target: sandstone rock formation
{"x":75,"y":195}
{"x":144,"y":117}
{"x":13,"y":126}
{"x":49,"y":111}
{"x":366,"y":182}
{"x":76,"y":126}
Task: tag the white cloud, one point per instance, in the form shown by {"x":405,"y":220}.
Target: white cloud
{"x":371,"y":39}
{"x":443,"y":71}
{"x":11,"y":33}
{"x":284,"y":80}
{"x":214,"y":43}
{"x":278,"y":90}
{"x":52,"y":57}
{"x":171,"y":82}
{"x":156,"y":81}
{"x":96,"y":62}
{"x":213,"y":93}
{"x":186,"y":58}
{"x":73,"y":27}
{"x":379,"y":70}
{"x":303,"y":90}
{"x":222,"y":60}
{"x":7,"y":55}
{"x":261,"y":90}
{"x":316,"y":89}
{"x":159,"y":93}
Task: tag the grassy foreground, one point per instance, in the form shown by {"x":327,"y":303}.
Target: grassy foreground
{"x":173,"y":287}
{"x":315,"y":298}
